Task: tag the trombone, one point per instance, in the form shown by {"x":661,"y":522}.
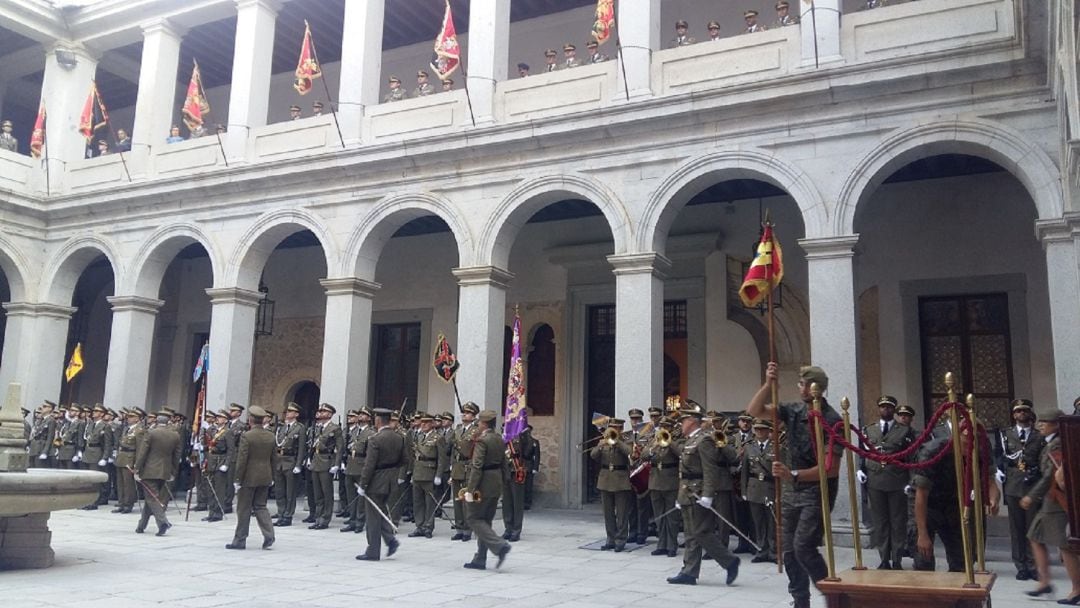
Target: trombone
{"x":662,"y":438}
{"x":610,"y":437}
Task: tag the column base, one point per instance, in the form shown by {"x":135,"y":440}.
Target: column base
{"x":25,"y":542}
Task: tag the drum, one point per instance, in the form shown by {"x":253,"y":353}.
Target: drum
{"x":639,"y":478}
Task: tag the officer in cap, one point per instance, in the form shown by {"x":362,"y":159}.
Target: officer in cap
{"x":784,"y":17}
{"x":482,"y":491}
{"x":1017,"y":472}
{"x":681,"y":38}
{"x":758,"y":488}
{"x":752,"y":26}
{"x":396,"y":93}
{"x":289,"y":442}
{"x":316,"y":108}
{"x":427,"y":464}
{"x":256,"y":460}
{"x":7,"y":140}
{"x":885,"y":483}
{"x":125,"y":460}
{"x":595,"y":56}
{"x":464,"y":434}
{"x":447,"y":84}
{"x":612,"y":453}
{"x":550,"y":60}
{"x":423,"y":87}
{"x":327,"y":447}
{"x":385,"y":456}
{"x":294,"y":112}
{"x":570,"y":59}
{"x":219,"y":454}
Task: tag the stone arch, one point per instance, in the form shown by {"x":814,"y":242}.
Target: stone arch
{"x":15,"y":268}
{"x":983,"y":138}
{"x":258,"y":242}
{"x":67,"y":264}
{"x":391,"y":213}
{"x":159,"y":250}
{"x":535,"y":194}
{"x":695,"y":174}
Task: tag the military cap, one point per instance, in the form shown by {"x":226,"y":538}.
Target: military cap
{"x":887,"y":400}
{"x":905,"y":410}
{"x":236,"y":406}
{"x":395,"y":415}
{"x":636,"y":413}
{"x":352,"y":413}
{"x":257,"y":412}
{"x":616,"y":422}
{"x":763,"y":423}
{"x":691,"y":413}
{"x":168,"y":411}
{"x":471,"y":408}
{"x":655,"y":411}
{"x":395,"y":79}
{"x":136,"y":412}
{"x":666,"y":422}
{"x":681,"y":23}
{"x":326,"y":407}
{"x":720,"y":423}
{"x":488,"y":416}
{"x":782,"y":4}
{"x":713,"y":25}
{"x":102,"y":142}
{"x":382,"y":412}
{"x":50,"y":404}
{"x":523,"y":66}
{"x":25,"y":412}
{"x":750,"y":13}
{"x":425,"y":417}
{"x":422,"y":73}
{"x":99,"y":408}
{"x":1022,"y":404}
{"x":447,"y":417}
{"x":592,"y":44}
{"x":364,"y":411}
{"x":746,"y":417}
{"x":550,"y":53}
{"x":6,"y":123}
{"x":292,"y":407}
{"x":317,"y":104}
{"x":112,"y":412}
{"x":222,"y":413}
{"x":810,"y":374}
{"x":569,"y":47}
{"x":449,"y":81}
{"x":294,"y":108}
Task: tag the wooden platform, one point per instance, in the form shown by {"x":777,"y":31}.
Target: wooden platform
{"x":906,"y":588}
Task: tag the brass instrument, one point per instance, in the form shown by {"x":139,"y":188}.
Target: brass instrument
{"x":719,"y":437}
{"x":461,"y":495}
{"x":611,"y":436}
{"x":585,"y":444}
{"x":663,"y":438}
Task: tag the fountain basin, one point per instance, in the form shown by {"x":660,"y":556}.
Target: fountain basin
{"x":26,"y":499}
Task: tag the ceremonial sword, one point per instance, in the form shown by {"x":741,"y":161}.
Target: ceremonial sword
{"x":733,"y":527}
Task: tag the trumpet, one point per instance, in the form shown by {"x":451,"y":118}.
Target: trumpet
{"x":585,"y":444}
{"x":663,"y":438}
{"x":611,"y":435}
{"x":720,"y":438}
{"x":461,"y":495}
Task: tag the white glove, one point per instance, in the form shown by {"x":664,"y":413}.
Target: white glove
{"x":469,"y":497}
{"x":137,"y":478}
{"x":360,"y":490}
{"x":678,"y":506}
{"x":101,"y":462}
{"x":197,"y":447}
{"x":43,"y":457}
{"x":908,"y":490}
{"x":535,"y":472}
{"x":113,"y":456}
{"x":860,"y":476}
{"x":236,"y":485}
{"x":705,"y":501}
{"x":224,"y":468}
{"x":296,"y":470}
{"x":333,"y":470}
{"x":204,"y":425}
{"x":76,"y":457}
{"x":112,"y":460}
{"x":1000,"y":476}
{"x":400,"y":481}
{"x":438,"y":481}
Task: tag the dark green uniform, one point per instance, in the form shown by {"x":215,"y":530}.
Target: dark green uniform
{"x":485,"y":475}
{"x":663,"y":492}
{"x":704,"y":474}
{"x":67,"y":443}
{"x":463,"y":437}
{"x":41,"y":435}
{"x":355,"y":455}
{"x":759,"y":489}
{"x":513,"y":494}
{"x":428,"y":454}
{"x":218,"y":458}
{"x":256,"y":461}
{"x":616,"y":494}
{"x":96,"y":454}
{"x":289,"y":450}
{"x":885,"y":488}
{"x":942,"y":512}
{"x":125,"y":462}
{"x":1019,"y":461}
{"x":156,"y":462}
{"x":385,"y":456}
{"x":329,"y":444}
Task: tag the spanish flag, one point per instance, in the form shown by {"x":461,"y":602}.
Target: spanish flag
{"x":605,"y":20}
{"x":37,"y":138}
{"x":75,"y":365}
{"x":766,"y":271}
{"x":196,"y":107}
{"x":307,"y":68}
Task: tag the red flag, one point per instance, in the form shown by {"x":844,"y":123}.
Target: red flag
{"x":447,"y":54}
{"x":196,"y":105}
{"x":605,"y":20}
{"x":94,"y":116}
{"x":307,"y":68}
{"x":445,"y":361}
{"x":765,"y":272}
{"x":37,"y":138}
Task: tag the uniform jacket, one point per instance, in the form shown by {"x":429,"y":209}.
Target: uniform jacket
{"x":664,"y":475}
{"x":757,"y":479}
{"x":327,"y":447}
{"x":356,"y":450}
{"x":614,"y":465}
{"x":127,"y":444}
{"x":703,"y":468}
{"x":385,"y":455}
{"x":256,"y":458}
{"x":98,"y":441}
{"x":423,"y":90}
{"x":681,"y":41}
{"x":41,"y":436}
{"x":1046,"y":466}
{"x":158,"y":454}
{"x":394,"y":95}
{"x":887,"y":478}
{"x":68,"y":432}
{"x":1020,"y":460}
{"x":523,"y":447}
{"x":429,"y":453}
{"x":485,"y":468}
{"x":289,"y":444}
{"x":463,"y":449}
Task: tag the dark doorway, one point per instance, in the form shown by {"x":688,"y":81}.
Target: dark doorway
{"x":599,"y":383}
{"x":541,"y":379}
{"x":397,"y":365}
{"x":306,"y":395}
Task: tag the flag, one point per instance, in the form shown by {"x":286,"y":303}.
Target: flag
{"x":605,"y":20}
{"x":447,"y":55}
{"x":196,"y":106}
{"x":307,"y":68}
{"x":445,"y":361}
{"x":75,"y":365}
{"x":202,"y":365}
{"x":765,"y":272}
{"x":515,"y":419}
{"x":37,"y":138}
{"x":94,"y":116}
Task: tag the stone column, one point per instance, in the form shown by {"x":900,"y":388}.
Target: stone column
{"x":253,"y":53}
{"x":361,"y":64}
{"x":825,"y":20}
{"x":1062,"y":244}
{"x":639,"y":330}
{"x":232,"y":343}
{"x":481,"y":322}
{"x":347,"y":341}
{"x":157,"y":85}
{"x":64,"y":91}
{"x":130,"y":348}
{"x":35,"y":345}
{"x":639,"y":34}
{"x":489,"y":54}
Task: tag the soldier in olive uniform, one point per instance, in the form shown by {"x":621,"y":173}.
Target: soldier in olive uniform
{"x":446,"y":430}
{"x":784,"y":17}
{"x":68,"y":433}
{"x":1049,"y":527}
{"x":428,"y":462}
{"x":256,"y":461}
{"x":714,"y":31}
{"x":595,"y":56}
{"x":681,"y":38}
{"x":326,"y":451}
{"x":41,"y":435}
{"x":464,"y":437}
{"x":400,"y":499}
{"x":97,"y":451}
{"x":156,"y":459}
{"x":345,"y":478}
{"x":758,"y":487}
{"x":752,"y":25}
{"x":885,"y":484}
{"x":423,"y":87}
{"x":1018,"y":470}
{"x":533,"y":469}
{"x":639,"y":436}
{"x":290,"y":449}
{"x":550,"y":60}
{"x":482,"y":491}
{"x":354,"y":467}
{"x":236,"y":429}
{"x":385,"y":456}
{"x":7,"y":140}
{"x":613,"y":482}
{"x":741,"y":436}
{"x":570,"y":59}
{"x":396,"y":93}
{"x":514,"y":476}
{"x":218,"y":458}
{"x":664,"y":488}
{"x":126,"y":446}
{"x":26,"y":426}
{"x":704,"y":478}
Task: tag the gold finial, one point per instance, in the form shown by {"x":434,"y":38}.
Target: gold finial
{"x":815,"y":390}
{"x":970,"y":402}
{"x":950,"y":385}
{"x":845,"y":403}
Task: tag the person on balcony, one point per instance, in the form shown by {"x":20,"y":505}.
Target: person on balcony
{"x":523,"y":70}
{"x":447,"y":85}
{"x":423,"y":87}
{"x":550,"y":61}
{"x":595,"y":56}
{"x":174,"y":135}
{"x":396,"y":92}
{"x":7,"y":140}
{"x":316,"y":108}
{"x":681,"y":38}
{"x":102,"y":148}
{"x":294,"y":112}
{"x":570,"y":59}
{"x":714,"y":31}
{"x":123,"y":141}
{"x":783,"y":16}
{"x":752,"y":26}
{"x":873,"y":4}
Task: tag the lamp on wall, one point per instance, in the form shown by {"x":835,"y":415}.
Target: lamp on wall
{"x":66,"y":59}
{"x":264,"y":314}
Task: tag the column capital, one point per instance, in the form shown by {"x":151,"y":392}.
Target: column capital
{"x":1060,"y":229}
{"x":350,"y":286}
{"x":830,"y":247}
{"x":72,"y":47}
{"x":39,"y":309}
{"x":271,"y":5}
{"x":233,"y":295}
{"x":640,"y":263}
{"x":483,"y":275}
{"x":162,"y":26}
{"x":135,"y":304}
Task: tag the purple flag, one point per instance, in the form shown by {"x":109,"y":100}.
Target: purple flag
{"x":514,"y":418}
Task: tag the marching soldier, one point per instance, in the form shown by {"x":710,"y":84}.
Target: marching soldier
{"x":663,"y":454}
{"x":289,"y":442}
{"x":681,"y":39}
{"x":423,"y":87}
{"x":1018,"y":471}
{"x":518,"y":457}
{"x":7,"y":140}
{"x":464,"y":439}
{"x":570,"y":59}
{"x":427,"y":464}
{"x":613,"y":453}
{"x":783,"y":16}
{"x":752,"y":26}
{"x":125,"y":460}
{"x":256,"y":460}
{"x":482,"y":491}
{"x":595,"y":56}
{"x":41,"y":435}
{"x":703,"y":481}
{"x":156,"y":459}
{"x":396,"y":92}
{"x":328,"y":445}
{"x":550,"y":61}
{"x":758,"y":487}
{"x":355,"y":454}
{"x":98,"y":447}
{"x":885,"y":484}
{"x":382,"y":465}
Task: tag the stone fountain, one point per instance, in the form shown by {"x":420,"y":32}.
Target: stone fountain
{"x":28,"y":496}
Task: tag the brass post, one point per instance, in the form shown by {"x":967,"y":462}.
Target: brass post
{"x":823,"y":483}
{"x":976,"y":484}
{"x":958,"y":453}
{"x":845,"y":404}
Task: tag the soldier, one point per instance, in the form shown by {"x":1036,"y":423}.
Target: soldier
{"x":103,"y":148}
{"x":783,"y":18}
{"x":423,"y":87}
{"x":382,"y":465}
{"x":294,"y":112}
{"x":237,"y":428}
{"x":742,"y":436}
{"x":714,"y":31}
{"x":533,"y":469}
{"x":289,"y":441}
{"x":126,"y":446}
{"x":523,"y":70}
{"x":155,"y":464}
{"x":256,"y":461}
{"x":316,"y":108}
{"x":518,"y":456}
{"x":326,"y":450}
{"x":758,"y":487}
{"x":885,"y":484}
{"x":663,"y":454}
{"x":41,"y":435}
{"x":7,"y":140}
{"x":703,"y":481}
{"x":613,"y":453}
{"x":115,"y":428}
{"x":482,"y":491}
{"x":98,"y":447}
{"x":400,"y":499}
{"x":570,"y":59}
{"x":550,"y":62}
{"x":798,"y":468}
{"x":1018,"y":471}
{"x":343,"y":492}
{"x":752,"y":26}
{"x":465,"y":435}
{"x":595,"y":56}
{"x":681,"y":39}
{"x":68,"y":439}
{"x":218,"y":458}
{"x":427,"y":464}
{"x":26,"y":426}
{"x":1049,"y":527}
{"x":447,"y":85}
{"x":640,"y":507}
{"x":446,"y":430}
{"x":356,"y":453}
{"x":396,"y":92}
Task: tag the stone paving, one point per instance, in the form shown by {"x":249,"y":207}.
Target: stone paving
{"x":101,"y":562}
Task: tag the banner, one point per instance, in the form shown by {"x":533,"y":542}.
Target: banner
{"x":202,"y":365}
{"x":515,"y":418}
{"x":75,"y":365}
{"x":447,"y":56}
{"x":445,"y":361}
{"x":196,"y":106}
{"x":605,"y":20}
{"x":307,"y":68}
{"x":37,"y":138}
{"x":765,"y":272}
{"x":94,"y":116}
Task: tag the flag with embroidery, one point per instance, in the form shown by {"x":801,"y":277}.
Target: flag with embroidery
{"x":196,"y":106}
{"x":447,"y":55}
{"x":202,"y":365}
{"x":605,"y":20}
{"x":94,"y":115}
{"x":445,"y":361}
{"x":75,"y":364}
{"x":515,"y":419}
{"x":765,"y":272}
{"x":37,"y":138}
{"x":307,"y":68}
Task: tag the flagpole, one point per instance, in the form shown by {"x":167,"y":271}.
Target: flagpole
{"x":778,"y":488}
{"x":622,"y":64}
{"x":217,"y":132}
{"x":813,"y":24}
{"x":326,"y":88}
{"x":108,"y":123}
{"x":45,"y":144}
{"x":468,"y":98}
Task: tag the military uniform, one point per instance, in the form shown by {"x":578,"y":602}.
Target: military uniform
{"x":759,"y":489}
{"x":155,"y":464}
{"x":885,"y":487}
{"x":395,"y":93}
{"x":787,"y":19}
{"x":1019,"y":465}
{"x":256,"y":460}
{"x":532,"y":472}
{"x":328,"y":445}
{"x":429,"y":453}
{"x":681,"y":38}
{"x":41,"y":435}
{"x":219,"y":457}
{"x":400,"y":499}
{"x":236,"y":429}
{"x":98,"y":439}
{"x":423,"y":89}
{"x":126,"y":447}
{"x":752,"y":26}
{"x":570,"y":60}
{"x":663,"y":493}
{"x":740,"y":438}
{"x":938,"y":482}
{"x":69,"y":437}
{"x":355,"y":454}
{"x":1050,"y":524}
{"x":513,"y":494}
{"x":385,"y":456}
{"x":464,"y":438}
{"x":485,"y":476}
{"x":289,"y":448}
{"x":613,"y":482}
{"x":7,"y":140}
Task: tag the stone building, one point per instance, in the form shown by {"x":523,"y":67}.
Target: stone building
{"x":919,"y":162}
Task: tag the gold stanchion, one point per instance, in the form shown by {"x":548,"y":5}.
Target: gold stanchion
{"x":976,"y":484}
{"x":823,"y":481}
{"x":958,"y":453}
{"x":845,"y":404}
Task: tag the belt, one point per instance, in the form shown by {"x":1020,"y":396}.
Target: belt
{"x":614,"y":467}
{"x":93,"y":445}
{"x":321,"y":452}
{"x":123,"y":449}
{"x":491,"y":467}
{"x":460,"y":459}
{"x":691,"y":476}
{"x":282,"y":452}
{"x":383,"y":467}
{"x":661,"y":465}
{"x":426,"y":459}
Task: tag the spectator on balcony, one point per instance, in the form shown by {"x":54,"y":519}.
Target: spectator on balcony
{"x":714,"y":31}
{"x":783,"y":17}
{"x":123,"y":142}
{"x":447,"y":85}
{"x":316,"y":108}
{"x":423,"y":87}
{"x":7,"y":140}
{"x":681,"y":39}
{"x":570,"y":59}
{"x":873,"y":4}
{"x":523,"y":70}
{"x":102,"y":148}
{"x":294,"y":112}
{"x":752,"y":26}
{"x":174,"y":135}
{"x":396,"y":92}
{"x":550,"y":64}
{"x":197,"y":132}
{"x":595,"y":56}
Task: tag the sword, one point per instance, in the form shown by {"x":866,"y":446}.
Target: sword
{"x":210,"y":484}
{"x":377,"y":509}
{"x":436,"y":513}
{"x":664,"y":514}
{"x":733,"y":527}
{"x":147,"y":489}
{"x":399,"y":498}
